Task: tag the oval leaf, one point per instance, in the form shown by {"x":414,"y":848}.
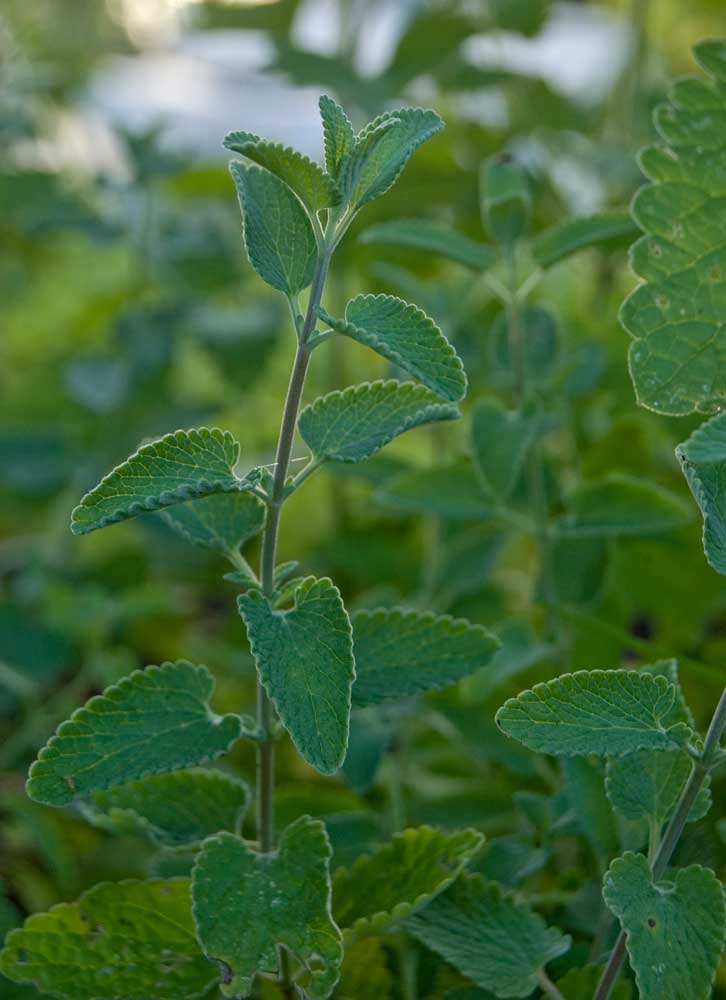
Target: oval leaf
{"x":450,"y":491}
{"x":605,"y":229}
{"x":620,"y":506}
{"x":500,"y":441}
{"x":433,"y":237}
{"x":703,"y":460}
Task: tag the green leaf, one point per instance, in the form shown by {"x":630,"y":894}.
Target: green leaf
{"x":176,"y":810}
{"x":399,"y":653}
{"x":382,"y":150}
{"x":119,"y":941}
{"x":352,"y":425}
{"x":506,"y":199}
{"x":605,"y":712}
{"x":450,"y":491}
{"x":399,"y":878}
{"x":304,"y":658}
{"x":222,"y":522}
{"x":247,"y":904}
{"x":674,"y":930}
{"x":177,"y":467}
{"x":153,"y":721}
{"x":278,"y":235}
{"x":405,"y":335}
{"x":483,"y":932}
{"x":675,"y":315}
{"x":606,"y":229}
{"x":315,"y":189}
{"x":647,"y":784}
{"x":365,"y":974}
{"x":500,"y":440}
{"x":703,"y":461}
{"x":337,"y":133}
{"x":586,"y":794}
{"x":581,"y":984}
{"x":435,"y":238}
{"x":620,"y":506}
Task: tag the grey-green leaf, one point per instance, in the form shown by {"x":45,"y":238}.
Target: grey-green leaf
{"x":278,"y":235}
{"x":399,"y":878}
{"x":304,"y":658}
{"x":620,"y":506}
{"x":176,"y":810}
{"x":604,"y":229}
{"x":221,"y":522}
{"x":647,"y":785}
{"x":119,"y":941}
{"x":435,"y":238}
{"x":604,"y":712}
{"x":405,"y":335}
{"x":381,"y":152}
{"x":675,"y":315}
{"x":177,"y":467}
{"x":450,"y":491}
{"x":674,"y":930}
{"x":703,"y":461}
{"x":500,"y":441}
{"x":153,"y":721}
{"x":352,"y":425}
{"x":338,"y":134}
{"x":400,"y":653}
{"x":487,"y":935}
{"x":247,"y":904}
{"x":315,"y":189}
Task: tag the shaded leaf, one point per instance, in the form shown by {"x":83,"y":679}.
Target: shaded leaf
{"x":246,"y":904}
{"x":399,"y":878}
{"x":586,"y":794}
{"x":178,"y":467}
{"x":605,"y":712}
{"x":399,"y":653}
{"x":352,"y":425}
{"x":605,"y":229}
{"x":153,"y":721}
{"x":500,"y":440}
{"x":222,"y":522}
{"x":450,"y":491}
{"x":703,"y":461}
{"x":364,"y":974}
{"x":483,"y":932}
{"x":304,"y":659}
{"x":119,"y":941}
{"x":580,"y":984}
{"x":278,"y":236}
{"x":435,"y":238}
{"x":405,"y":335}
{"x":674,"y":930}
{"x":506,"y":199}
{"x":621,"y":506}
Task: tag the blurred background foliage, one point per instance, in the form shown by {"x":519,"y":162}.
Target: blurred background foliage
{"x":128,"y":310}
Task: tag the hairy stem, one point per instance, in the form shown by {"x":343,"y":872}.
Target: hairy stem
{"x":672,"y":835}
{"x":265,"y":712}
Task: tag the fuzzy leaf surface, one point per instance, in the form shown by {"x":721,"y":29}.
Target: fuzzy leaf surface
{"x":675,"y":316}
{"x":483,"y":932}
{"x":434,"y":238}
{"x":703,"y":461}
{"x":338,"y":134}
{"x":352,"y":425}
{"x":399,"y":878}
{"x":620,"y":506}
{"x":222,"y":522}
{"x":382,"y":150}
{"x":674,"y":930}
{"x":604,"y":712}
{"x":304,"y":658}
{"x":153,"y":721}
{"x":178,"y":467}
{"x":314,"y":188}
{"x":176,"y":810}
{"x":246,"y":904}
{"x":278,"y":235}
{"x":406,"y":336}
{"x":647,"y":784}
{"x":399,"y":653}
{"x":607,"y":229}
{"x":500,"y":440}
{"x":119,"y":941}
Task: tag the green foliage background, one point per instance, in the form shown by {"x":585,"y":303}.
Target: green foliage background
{"x":127,"y":310}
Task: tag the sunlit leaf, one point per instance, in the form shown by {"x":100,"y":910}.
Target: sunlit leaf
{"x":337,"y":133}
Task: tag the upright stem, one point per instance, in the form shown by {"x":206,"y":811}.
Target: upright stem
{"x":265,"y":713}
{"x":515,"y":332}
{"x":547,"y":986}
{"x":672,"y":835}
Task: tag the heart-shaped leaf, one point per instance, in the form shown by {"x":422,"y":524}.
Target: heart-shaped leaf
{"x":153,"y":721}
{"x":703,"y":460}
{"x":247,"y":904}
{"x":304,"y":659}
{"x":674,"y":930}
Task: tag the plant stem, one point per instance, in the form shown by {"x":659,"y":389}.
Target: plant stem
{"x":547,"y":986}
{"x":265,"y":712}
{"x":672,"y":835}
{"x":515,"y":331}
